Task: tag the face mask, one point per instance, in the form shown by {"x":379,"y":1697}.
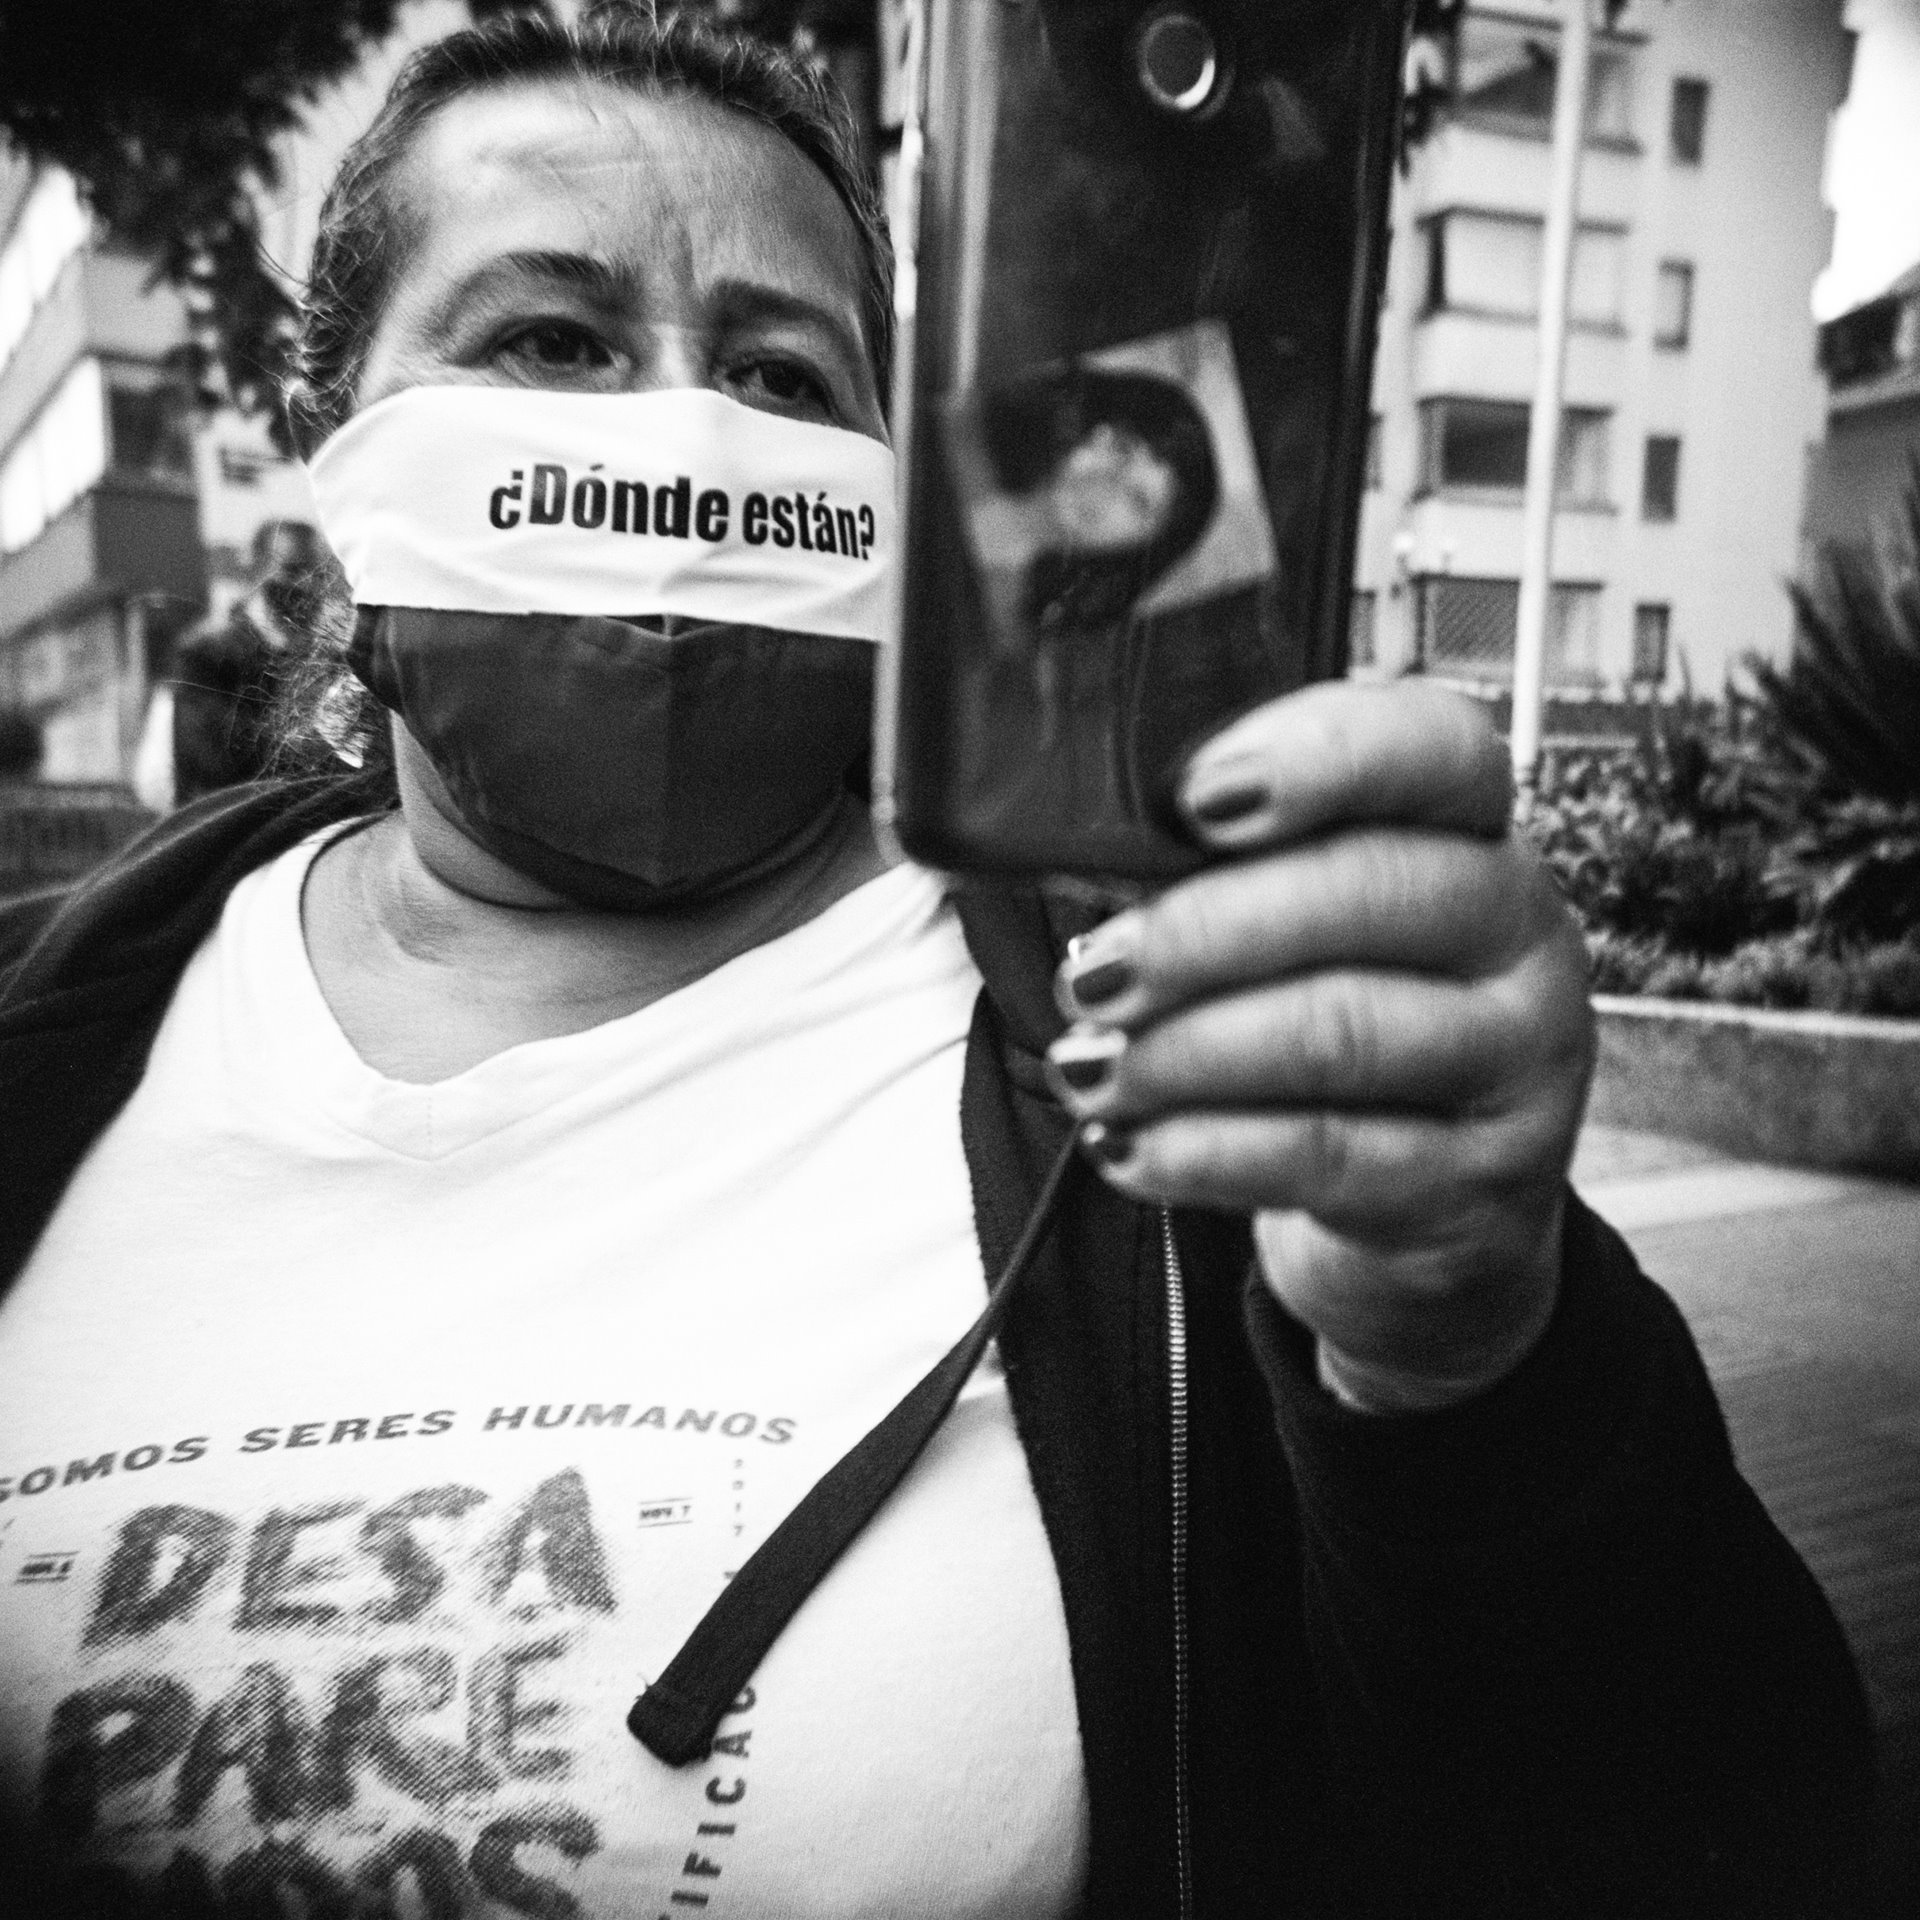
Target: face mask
{"x":634,"y":633}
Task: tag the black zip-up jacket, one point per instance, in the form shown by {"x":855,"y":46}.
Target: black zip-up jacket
{"x":1540,"y":1655}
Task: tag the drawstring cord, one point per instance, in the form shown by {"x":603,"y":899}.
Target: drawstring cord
{"x":676,"y":1718}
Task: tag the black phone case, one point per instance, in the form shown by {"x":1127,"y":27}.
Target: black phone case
{"x":1149,"y":253}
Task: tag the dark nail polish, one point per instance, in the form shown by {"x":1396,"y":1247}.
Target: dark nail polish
{"x":1221,"y":806}
{"x":1105,"y":980}
{"x":1083,"y":1059}
{"x":1083,"y":1075}
{"x":1108,"y":1145}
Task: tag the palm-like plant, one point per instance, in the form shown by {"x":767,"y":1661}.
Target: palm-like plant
{"x":1848,"y":700}
{"x":1765,"y":848}
{"x":1847,"y":708}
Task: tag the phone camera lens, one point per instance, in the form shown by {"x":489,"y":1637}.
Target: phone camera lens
{"x":1177,"y":61}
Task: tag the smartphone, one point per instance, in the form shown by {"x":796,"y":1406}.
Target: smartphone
{"x":1149,"y":247}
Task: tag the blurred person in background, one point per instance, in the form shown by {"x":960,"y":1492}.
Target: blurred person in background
{"x":211,"y":722}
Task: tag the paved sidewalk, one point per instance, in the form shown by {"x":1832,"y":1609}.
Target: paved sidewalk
{"x":1803,"y":1290}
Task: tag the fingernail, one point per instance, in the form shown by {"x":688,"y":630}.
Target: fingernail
{"x":1232,"y":799}
{"x":1094,"y":973}
{"x":1083,"y":1060}
{"x":1103,"y":981}
{"x":1109,"y":1145}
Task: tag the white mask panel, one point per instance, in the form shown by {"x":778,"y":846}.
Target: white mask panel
{"x":515,"y":500}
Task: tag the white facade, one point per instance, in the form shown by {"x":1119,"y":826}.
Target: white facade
{"x":1701,"y":234}
{"x":97,"y":519}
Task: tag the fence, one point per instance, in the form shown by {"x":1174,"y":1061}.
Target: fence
{"x":53,"y":834}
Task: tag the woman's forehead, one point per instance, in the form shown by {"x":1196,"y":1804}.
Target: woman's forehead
{"x":640,"y":179}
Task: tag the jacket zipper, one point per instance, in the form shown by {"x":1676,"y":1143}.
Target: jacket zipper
{"x":1177,"y":1555}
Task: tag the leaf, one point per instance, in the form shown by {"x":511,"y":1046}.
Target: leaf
{"x":169,"y":117}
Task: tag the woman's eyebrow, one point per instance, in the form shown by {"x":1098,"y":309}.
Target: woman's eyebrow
{"x":602,"y":283}
{"x":737,"y":299}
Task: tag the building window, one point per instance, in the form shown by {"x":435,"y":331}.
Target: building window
{"x":1467,"y":628}
{"x":1660,"y":478}
{"x":1373,"y":466}
{"x":1652,"y":622}
{"x":1360,"y":644}
{"x":1687,"y":124}
{"x":146,"y":430}
{"x":1472,"y":443}
{"x":56,"y":460}
{"x":1484,"y":263}
{"x":1872,"y":340}
{"x":1599,"y":263}
{"x":1610,"y":97}
{"x":1581,"y":480}
{"x":1673,"y":304}
{"x":1573,"y":634}
{"x":1481,"y":446}
{"x":1490,"y":263}
{"x":241,"y":466}
{"x":1906,"y":332}
{"x":1467,"y":625}
{"x":1505,"y":72}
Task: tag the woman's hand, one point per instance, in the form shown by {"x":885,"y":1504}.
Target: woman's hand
{"x":1368,"y":1026}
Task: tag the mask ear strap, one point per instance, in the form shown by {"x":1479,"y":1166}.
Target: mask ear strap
{"x":676,"y":1718}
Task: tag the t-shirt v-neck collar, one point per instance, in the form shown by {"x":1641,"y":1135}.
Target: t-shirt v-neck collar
{"x":281,"y":1036}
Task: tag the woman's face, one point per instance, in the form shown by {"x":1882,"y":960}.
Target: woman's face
{"x":588,"y":239}
{"x":1112,"y":491}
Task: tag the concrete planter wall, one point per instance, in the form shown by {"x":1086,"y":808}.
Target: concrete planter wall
{"x":1810,"y":1089}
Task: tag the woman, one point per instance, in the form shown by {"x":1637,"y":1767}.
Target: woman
{"x":475,"y":1223}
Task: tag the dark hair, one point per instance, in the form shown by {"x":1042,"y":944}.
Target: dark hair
{"x":356,"y":254}
{"x":1032,"y":426}
{"x":359,"y":248}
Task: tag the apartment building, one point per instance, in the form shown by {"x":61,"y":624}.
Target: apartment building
{"x":1692,"y":386}
{"x":1692,"y":390}
{"x":120,"y":513}
{"x":99,"y":536}
{"x":1858,"y":479}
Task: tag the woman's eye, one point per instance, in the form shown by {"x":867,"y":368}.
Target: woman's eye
{"x":557,"y":346}
{"x":782,"y":384}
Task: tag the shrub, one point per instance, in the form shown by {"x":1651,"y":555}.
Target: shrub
{"x":1764,"y":849}
{"x":1709,"y":861}
{"x":1619,"y":963}
{"x":1676,"y":976}
{"x":1765,"y":973}
{"x":1655,"y":844}
{"x":1890,"y":979}
{"x":1854,"y":867}
{"x":1787,"y":972}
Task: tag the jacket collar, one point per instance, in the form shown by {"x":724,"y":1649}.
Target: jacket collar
{"x":92,"y":971}
{"x":142,"y":913}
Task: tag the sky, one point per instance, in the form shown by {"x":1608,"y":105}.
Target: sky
{"x":1873,"y":160}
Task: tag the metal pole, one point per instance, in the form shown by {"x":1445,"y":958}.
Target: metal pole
{"x":1543,"y":428}
{"x":904,"y":217}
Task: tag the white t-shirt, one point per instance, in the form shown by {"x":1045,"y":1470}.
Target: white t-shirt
{"x":364,"y":1445}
